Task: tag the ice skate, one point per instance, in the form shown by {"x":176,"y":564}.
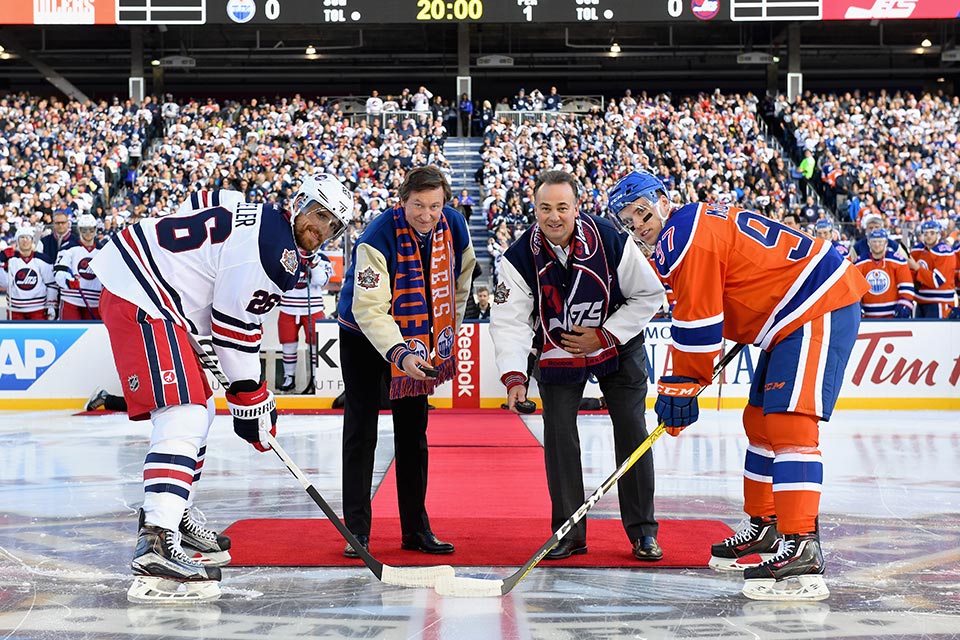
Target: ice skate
{"x":204,"y":545}
{"x":794,"y":573}
{"x":97,"y":400}
{"x":164,"y":574}
{"x":756,"y":536}
{"x":288,"y":385}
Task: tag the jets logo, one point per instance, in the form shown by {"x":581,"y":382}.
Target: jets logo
{"x":289,"y":261}
{"x":168,"y":377}
{"x":501,"y":293}
{"x":368,"y":279}
{"x":705,"y":9}
{"x":84,"y":271}
{"x":26,"y":279}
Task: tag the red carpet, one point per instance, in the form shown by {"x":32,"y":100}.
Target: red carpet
{"x":487,"y":495}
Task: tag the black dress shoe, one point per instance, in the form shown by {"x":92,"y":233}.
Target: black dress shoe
{"x":647,"y":548}
{"x":350,"y":552}
{"x":567,"y":548}
{"x":425,"y":542}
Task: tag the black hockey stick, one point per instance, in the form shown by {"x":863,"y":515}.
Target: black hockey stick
{"x":478,"y":587}
{"x":397,"y":576}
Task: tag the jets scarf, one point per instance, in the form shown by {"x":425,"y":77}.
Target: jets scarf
{"x":578,"y":294}
{"x":416,"y":308}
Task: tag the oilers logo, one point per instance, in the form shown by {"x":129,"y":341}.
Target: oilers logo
{"x":26,"y":279}
{"x":418,"y":348}
{"x":241,"y":11}
{"x":879,"y":281}
{"x":445,"y":343}
{"x":705,"y":9}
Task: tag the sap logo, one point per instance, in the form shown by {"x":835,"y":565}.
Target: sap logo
{"x":25,"y":353}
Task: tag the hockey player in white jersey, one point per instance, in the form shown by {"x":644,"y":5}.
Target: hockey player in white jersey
{"x":79,"y":286}
{"x":302,"y":306}
{"x":28,"y":279}
{"x":216,"y":271}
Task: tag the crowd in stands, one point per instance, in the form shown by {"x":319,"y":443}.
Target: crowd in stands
{"x":895,"y":155}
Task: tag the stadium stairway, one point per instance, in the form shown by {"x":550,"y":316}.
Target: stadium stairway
{"x":464,"y":157}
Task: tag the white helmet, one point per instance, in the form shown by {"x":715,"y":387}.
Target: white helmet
{"x":86,"y":221}
{"x":24,"y":231}
{"x":327,"y":191}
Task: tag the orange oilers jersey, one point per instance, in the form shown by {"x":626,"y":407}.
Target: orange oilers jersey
{"x":890,"y":284}
{"x":937,"y":272}
{"x":742,"y":276}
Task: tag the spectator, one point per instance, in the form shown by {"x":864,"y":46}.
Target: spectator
{"x":552,"y":102}
{"x":466,"y":116}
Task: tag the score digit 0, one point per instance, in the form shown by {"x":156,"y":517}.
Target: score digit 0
{"x":272,"y":9}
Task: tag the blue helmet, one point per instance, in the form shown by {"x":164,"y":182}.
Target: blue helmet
{"x":632,"y":187}
{"x":823,"y":225}
{"x":877,"y":234}
{"x":930,"y":225}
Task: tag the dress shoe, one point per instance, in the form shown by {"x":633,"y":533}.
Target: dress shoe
{"x":350,"y":552}
{"x":567,"y":548}
{"x":647,"y":548}
{"x":425,"y":542}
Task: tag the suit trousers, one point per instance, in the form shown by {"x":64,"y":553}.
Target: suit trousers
{"x":364,"y":371}
{"x":625,"y":392}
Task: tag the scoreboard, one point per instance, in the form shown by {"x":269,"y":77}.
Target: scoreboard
{"x":260,"y":12}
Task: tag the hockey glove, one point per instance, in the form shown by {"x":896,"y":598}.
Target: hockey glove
{"x":902,"y":311}
{"x":254,"y":412}
{"x":954,"y":313}
{"x":677,"y":406}
{"x":73,"y":283}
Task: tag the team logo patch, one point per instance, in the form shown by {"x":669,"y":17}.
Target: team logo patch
{"x":418,"y":348}
{"x":501,"y":293}
{"x":26,"y":279}
{"x":168,"y":377}
{"x":588,"y":243}
{"x":241,"y":11}
{"x":705,"y":9}
{"x":84,"y":271}
{"x":368,"y":279}
{"x":879,"y":281}
{"x":445,"y":343}
{"x":133,"y":383}
{"x":289,"y":261}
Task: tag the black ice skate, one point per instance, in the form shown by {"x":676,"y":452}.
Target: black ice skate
{"x":794,"y":573}
{"x":757,"y":536}
{"x":203,"y":545}
{"x":164,"y":574}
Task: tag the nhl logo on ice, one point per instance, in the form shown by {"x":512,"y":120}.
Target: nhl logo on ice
{"x":241,"y":10}
{"x":289,"y":261}
{"x":133,"y":383}
{"x":445,"y":343}
{"x":879,"y":281}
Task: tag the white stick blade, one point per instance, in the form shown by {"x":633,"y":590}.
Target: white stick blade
{"x":469,"y":587}
{"x":416,"y":577}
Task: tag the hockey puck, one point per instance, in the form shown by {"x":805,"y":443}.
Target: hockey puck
{"x":526,"y":406}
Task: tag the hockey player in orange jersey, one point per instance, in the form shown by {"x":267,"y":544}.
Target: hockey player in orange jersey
{"x":933,"y":277}
{"x":744,"y":277}
{"x":891,"y":284}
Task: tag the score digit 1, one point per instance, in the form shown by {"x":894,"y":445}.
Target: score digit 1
{"x":528,"y":11}
{"x":675,"y":8}
{"x":272,"y":9}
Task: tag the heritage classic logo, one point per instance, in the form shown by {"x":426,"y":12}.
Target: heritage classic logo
{"x":289,"y":261}
{"x":368,"y":279}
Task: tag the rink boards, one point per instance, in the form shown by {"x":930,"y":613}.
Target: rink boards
{"x":895,"y":365}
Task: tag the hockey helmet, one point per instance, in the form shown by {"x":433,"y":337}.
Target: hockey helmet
{"x":632,"y":187}
{"x":930,"y":225}
{"x":327,"y":191}
{"x":24,"y":231}
{"x":86,"y":221}
{"x":877,"y":234}
{"x":823,"y":225}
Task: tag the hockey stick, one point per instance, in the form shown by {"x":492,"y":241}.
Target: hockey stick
{"x":397,"y":576}
{"x":478,"y":587}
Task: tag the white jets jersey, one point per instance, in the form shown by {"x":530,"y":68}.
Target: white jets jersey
{"x":78,"y":283}
{"x":215,"y":198}
{"x":29,"y":282}
{"x":307,"y":296}
{"x":213,"y":272}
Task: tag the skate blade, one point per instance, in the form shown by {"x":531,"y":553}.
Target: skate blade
{"x":798,"y":588}
{"x":738,"y":564}
{"x":208,"y":558}
{"x":154,"y":590}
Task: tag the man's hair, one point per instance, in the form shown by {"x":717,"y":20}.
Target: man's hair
{"x":557,"y":177}
{"x":425,"y":179}
{"x":790,"y":214}
{"x":483,"y":289}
